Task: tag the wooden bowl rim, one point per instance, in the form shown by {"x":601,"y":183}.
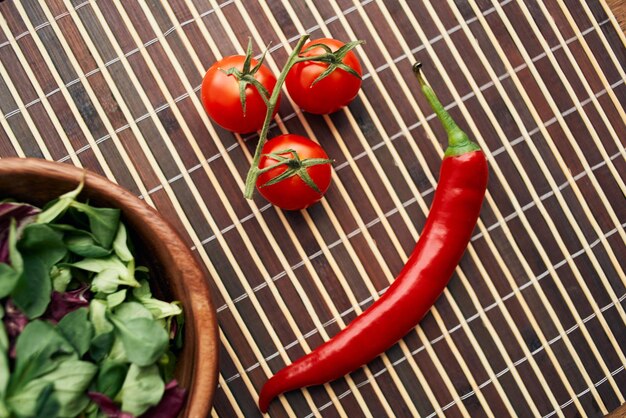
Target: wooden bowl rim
{"x":205,"y":350}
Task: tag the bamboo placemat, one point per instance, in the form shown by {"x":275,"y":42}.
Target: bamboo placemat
{"x":532,"y":323}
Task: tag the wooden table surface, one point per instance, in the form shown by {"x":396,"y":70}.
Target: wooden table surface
{"x":533,"y":321}
{"x":618,"y":7}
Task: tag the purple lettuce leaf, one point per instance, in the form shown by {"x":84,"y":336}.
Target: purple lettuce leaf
{"x":171,"y":403}
{"x":14,"y":323}
{"x":107,"y":406}
{"x":63,"y":303}
{"x":22,"y":213}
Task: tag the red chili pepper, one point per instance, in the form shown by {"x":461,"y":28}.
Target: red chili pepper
{"x":452,"y":218}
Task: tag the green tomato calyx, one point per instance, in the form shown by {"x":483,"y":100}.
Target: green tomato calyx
{"x":295,"y":167}
{"x":333,"y":59}
{"x":246,"y":76}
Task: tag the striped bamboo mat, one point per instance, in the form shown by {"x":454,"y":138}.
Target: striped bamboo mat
{"x":532,"y":323}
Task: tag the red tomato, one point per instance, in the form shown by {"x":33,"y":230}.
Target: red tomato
{"x":293,"y":193}
{"x":220,"y":95}
{"x":329,"y":94}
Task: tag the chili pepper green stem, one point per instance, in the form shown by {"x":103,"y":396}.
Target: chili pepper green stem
{"x":253,"y":173}
{"x":458,"y":141}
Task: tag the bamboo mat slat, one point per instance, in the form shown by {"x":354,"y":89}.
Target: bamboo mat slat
{"x":533,"y":321}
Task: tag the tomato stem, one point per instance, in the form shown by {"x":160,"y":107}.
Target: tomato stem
{"x":254,"y":171}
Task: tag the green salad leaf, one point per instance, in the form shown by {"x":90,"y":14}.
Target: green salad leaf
{"x":36,"y":399}
{"x":39,"y":349}
{"x":61,"y":278}
{"x":116,"y":299}
{"x":159,"y":309}
{"x":103,"y":222}
{"x":69,"y":381}
{"x":81,"y":241}
{"x":57,"y":207}
{"x":103,"y":330}
{"x":4,"y":364}
{"x":117,"y":351}
{"x":110,"y":271}
{"x":144,"y":340}
{"x":77,"y":329}
{"x":98,"y":317}
{"x":43,"y":242}
{"x":10,"y":274}
{"x":41,"y":247}
{"x":111,"y":377}
{"x":85,"y":245}
{"x":142,"y":388}
{"x":120,"y":244}
{"x":33,"y":289}
{"x":128,"y":311}
{"x":119,"y":347}
{"x":47,"y":404}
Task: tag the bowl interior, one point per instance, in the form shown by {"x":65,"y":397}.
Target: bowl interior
{"x":174,"y":272}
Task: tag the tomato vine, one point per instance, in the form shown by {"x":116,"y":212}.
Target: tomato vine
{"x":334,"y":61}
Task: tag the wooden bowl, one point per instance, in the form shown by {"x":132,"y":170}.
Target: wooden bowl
{"x":174,"y":271}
